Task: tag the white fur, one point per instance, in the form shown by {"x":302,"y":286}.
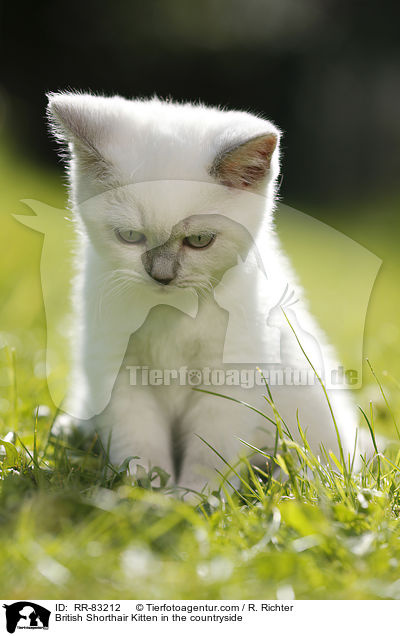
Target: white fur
{"x":146,"y":165}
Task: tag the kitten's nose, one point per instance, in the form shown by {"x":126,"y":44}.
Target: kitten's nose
{"x":161,"y":264}
{"x":163,"y":281}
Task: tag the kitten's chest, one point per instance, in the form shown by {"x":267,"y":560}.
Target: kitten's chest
{"x":170,"y":338}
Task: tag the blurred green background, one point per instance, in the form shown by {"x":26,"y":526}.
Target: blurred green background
{"x":327,"y":72}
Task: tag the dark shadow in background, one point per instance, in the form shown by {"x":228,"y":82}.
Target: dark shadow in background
{"x":326,"y":71}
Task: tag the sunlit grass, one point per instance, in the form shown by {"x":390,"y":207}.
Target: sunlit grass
{"x":74,"y":527}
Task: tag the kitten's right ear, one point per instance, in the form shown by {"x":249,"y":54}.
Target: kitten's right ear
{"x":247,"y":164}
{"x":80,"y":123}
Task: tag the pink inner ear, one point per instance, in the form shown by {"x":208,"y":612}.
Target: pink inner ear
{"x":267,"y":147}
{"x":251,"y":175}
{"x":245,"y":165}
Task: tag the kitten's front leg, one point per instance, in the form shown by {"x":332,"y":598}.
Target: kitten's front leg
{"x":134,"y":425}
{"x":221,"y":424}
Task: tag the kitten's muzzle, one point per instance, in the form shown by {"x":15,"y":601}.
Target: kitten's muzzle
{"x":161,"y":264}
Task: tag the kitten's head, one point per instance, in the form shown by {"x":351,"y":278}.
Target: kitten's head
{"x":172,"y":193}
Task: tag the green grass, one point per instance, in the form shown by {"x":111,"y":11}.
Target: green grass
{"x":71,"y":529}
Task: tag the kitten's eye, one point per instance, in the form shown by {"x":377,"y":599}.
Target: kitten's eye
{"x":202,"y":239}
{"x":130,"y":236}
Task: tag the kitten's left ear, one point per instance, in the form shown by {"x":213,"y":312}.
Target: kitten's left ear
{"x":83,"y":123}
{"x":246,"y":165}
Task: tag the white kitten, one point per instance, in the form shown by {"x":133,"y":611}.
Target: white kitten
{"x":174,"y":209}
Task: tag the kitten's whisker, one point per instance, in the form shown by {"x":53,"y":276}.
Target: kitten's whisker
{"x":114,"y":284}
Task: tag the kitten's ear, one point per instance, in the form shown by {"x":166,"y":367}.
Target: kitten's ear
{"x":80,"y":123}
{"x":245,"y":165}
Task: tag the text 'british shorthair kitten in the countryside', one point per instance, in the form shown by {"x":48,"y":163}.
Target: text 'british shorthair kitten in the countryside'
{"x":181,"y":285}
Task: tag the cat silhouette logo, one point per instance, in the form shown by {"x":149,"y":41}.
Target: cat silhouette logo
{"x":26,"y":615}
{"x":337,"y":271}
